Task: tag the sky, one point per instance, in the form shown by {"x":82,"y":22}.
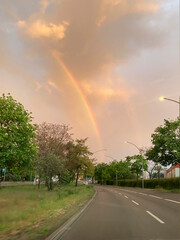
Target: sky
{"x":98,"y":66}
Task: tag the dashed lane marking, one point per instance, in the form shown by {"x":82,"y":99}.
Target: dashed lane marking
{"x":135,"y":202}
{"x":155,"y":217}
{"x":169,"y":200}
{"x":155,"y":196}
{"x":143,"y":194}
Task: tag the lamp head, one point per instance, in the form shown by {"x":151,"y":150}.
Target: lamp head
{"x":161,"y":98}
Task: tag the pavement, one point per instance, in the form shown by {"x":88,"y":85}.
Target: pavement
{"x":128,"y":214}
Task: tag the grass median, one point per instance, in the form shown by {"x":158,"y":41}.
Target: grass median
{"x":29,"y":213}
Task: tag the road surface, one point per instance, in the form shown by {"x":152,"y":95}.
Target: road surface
{"x":128,"y":214}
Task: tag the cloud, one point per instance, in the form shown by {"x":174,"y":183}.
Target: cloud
{"x":139,"y":6}
{"x":93,"y":38}
{"x":106,"y":33}
{"x":99,"y":93}
{"x":39,"y":29}
{"x":44,"y":4}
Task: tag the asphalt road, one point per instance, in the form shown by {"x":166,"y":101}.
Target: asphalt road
{"x":128,"y":214}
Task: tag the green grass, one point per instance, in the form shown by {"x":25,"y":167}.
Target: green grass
{"x":29,"y":213}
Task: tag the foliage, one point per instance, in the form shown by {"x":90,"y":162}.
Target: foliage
{"x":101,"y":173}
{"x":17,"y":136}
{"x":166,"y":183}
{"x":166,"y":144}
{"x":52,"y":140}
{"x":136,"y":166}
{"x":78,"y":158}
{"x":109,"y":173}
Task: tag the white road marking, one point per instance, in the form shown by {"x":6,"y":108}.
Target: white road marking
{"x":131,"y":191}
{"x":135,"y":202}
{"x":120,"y":193}
{"x":143,"y":194}
{"x":125,"y":196}
{"x":155,"y":196}
{"x":158,"y":219}
{"x":172,"y":201}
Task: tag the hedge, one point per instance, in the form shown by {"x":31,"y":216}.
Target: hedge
{"x":166,"y":183}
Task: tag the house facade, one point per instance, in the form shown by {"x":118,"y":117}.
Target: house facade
{"x":173,"y":171}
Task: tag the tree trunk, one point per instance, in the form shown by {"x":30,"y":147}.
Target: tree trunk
{"x":77,"y":175}
{"x":50,"y":184}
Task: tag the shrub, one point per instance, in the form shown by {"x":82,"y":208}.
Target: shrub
{"x":166,"y":183}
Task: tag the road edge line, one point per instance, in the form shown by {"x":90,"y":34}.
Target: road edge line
{"x":57,"y":235}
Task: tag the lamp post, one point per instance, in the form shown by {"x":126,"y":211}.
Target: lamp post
{"x":141,"y":153}
{"x":172,"y":100}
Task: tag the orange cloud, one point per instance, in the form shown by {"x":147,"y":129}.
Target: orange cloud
{"x":39,"y":29}
{"x":105,"y":94}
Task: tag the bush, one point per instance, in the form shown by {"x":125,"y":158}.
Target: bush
{"x":166,"y":183}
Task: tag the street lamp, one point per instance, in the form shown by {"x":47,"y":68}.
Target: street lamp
{"x":141,"y":153}
{"x":172,"y":100}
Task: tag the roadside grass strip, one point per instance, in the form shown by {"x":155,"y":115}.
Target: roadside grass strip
{"x":135,"y":202}
{"x":155,"y":217}
{"x":169,"y":200}
{"x":35,"y":213}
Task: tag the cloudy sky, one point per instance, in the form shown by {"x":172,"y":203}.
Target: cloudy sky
{"x":98,"y":65}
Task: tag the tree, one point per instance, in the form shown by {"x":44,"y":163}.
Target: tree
{"x":136,"y":166}
{"x":124,"y":169}
{"x":158,"y":173}
{"x":52,"y":140}
{"x":151,"y":167}
{"x":78,"y":157}
{"x":166,"y":144}
{"x":17,"y":136}
{"x":100,"y":172}
{"x":50,"y":166}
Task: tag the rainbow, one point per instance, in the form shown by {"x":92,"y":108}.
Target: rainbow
{"x":80,"y":93}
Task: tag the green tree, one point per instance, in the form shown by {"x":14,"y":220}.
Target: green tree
{"x":136,"y":166}
{"x":50,"y":166}
{"x":100,"y":172}
{"x":124,"y":169}
{"x":166,"y":144}
{"x":17,"y":136}
{"x":78,"y":158}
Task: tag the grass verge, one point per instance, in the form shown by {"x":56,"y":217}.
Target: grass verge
{"x":29,"y":213}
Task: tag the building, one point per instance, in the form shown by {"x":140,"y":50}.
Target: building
{"x":173,"y":171}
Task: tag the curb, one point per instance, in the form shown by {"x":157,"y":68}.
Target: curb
{"x":57,"y":235}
